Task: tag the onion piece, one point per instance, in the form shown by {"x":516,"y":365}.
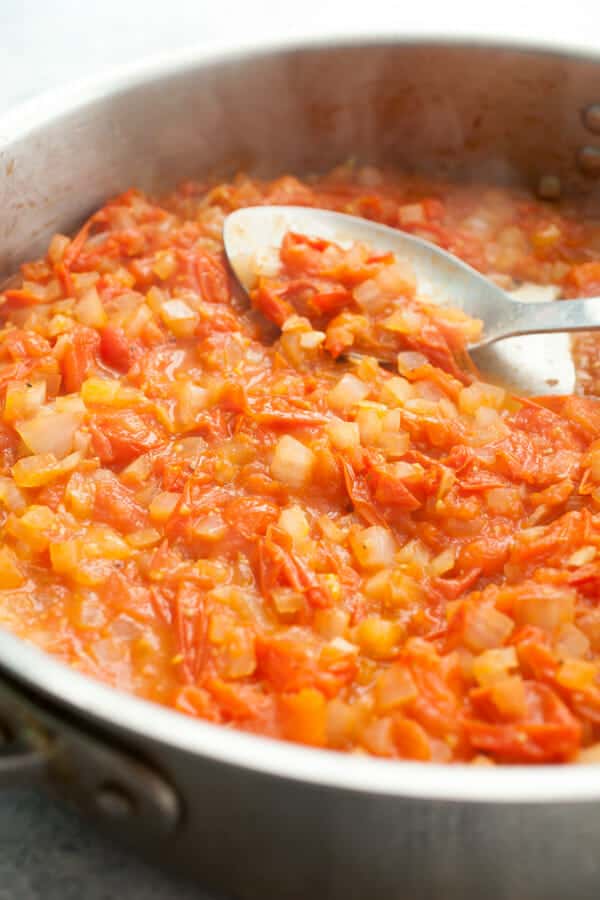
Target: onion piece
{"x":349,"y":391}
{"x":23,"y":400}
{"x":50,"y":432}
{"x":35,"y":471}
{"x":486,"y":627}
{"x":373,"y":547}
{"x":395,"y":688}
{"x":292,"y":462}
{"x":11,"y":576}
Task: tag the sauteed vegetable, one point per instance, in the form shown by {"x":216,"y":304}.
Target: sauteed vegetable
{"x":247,"y":525}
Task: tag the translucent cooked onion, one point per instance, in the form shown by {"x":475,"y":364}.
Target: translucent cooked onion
{"x":349,"y":391}
{"x":493,"y":665}
{"x":370,"y":297}
{"x":486,"y":627}
{"x":23,"y":400}
{"x":509,"y":698}
{"x":11,"y":576}
{"x":292,"y":462}
{"x":395,"y":688}
{"x":577,"y":674}
{"x":11,"y":497}
{"x":373,"y":547}
{"x":163,"y":505}
{"x":50,"y":432}
{"x":396,"y":391}
{"x":571,"y":642}
{"x":293,"y":521}
{"x":547,"y":606}
{"x":408,"y":360}
{"x":344,"y":434}
{"x":179,"y":318}
{"x":479,"y":394}
{"x":35,"y":471}
{"x":90,"y":310}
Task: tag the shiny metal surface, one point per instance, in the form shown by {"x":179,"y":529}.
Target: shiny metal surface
{"x":261,"y":818}
{"x":256,"y":233}
{"x":98,"y":778}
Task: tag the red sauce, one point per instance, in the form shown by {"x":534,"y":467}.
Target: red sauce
{"x":230,"y":517}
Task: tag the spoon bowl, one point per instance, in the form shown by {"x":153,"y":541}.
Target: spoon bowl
{"x":532,"y":365}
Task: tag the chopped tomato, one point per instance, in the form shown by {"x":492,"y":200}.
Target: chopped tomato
{"x":307,"y":516}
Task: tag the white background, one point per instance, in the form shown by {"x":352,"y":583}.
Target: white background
{"x":48,"y":42}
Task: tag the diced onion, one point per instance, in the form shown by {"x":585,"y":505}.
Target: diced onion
{"x":572,"y":642}
{"x":378,"y":637}
{"x":397,"y":279}
{"x":349,"y":391}
{"x":10,"y":496}
{"x":493,"y":665}
{"x":370,"y":297}
{"x":396,"y":391}
{"x":100,"y":390}
{"x":50,"y":432}
{"x":547,"y":607}
{"x":192,"y":400}
{"x":179,"y":318}
{"x":331,"y":623}
{"x":292,"y":462}
{"x":411,"y":214}
{"x":163,"y":505}
{"x":23,"y":400}
{"x":35,"y":471}
{"x":576,"y":674}
{"x":394,"y":688}
{"x":287,"y":601}
{"x":344,"y":435}
{"x":479,"y":395}
{"x":164,"y":264}
{"x":90,"y":310}
{"x":408,"y":360}
{"x":293,"y":521}
{"x":370,"y":425}
{"x":373,"y":547}
{"x":486,"y":627}
{"x":509,"y":698}
{"x":11,"y":576}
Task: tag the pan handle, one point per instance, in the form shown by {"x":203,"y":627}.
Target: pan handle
{"x":39,"y":743}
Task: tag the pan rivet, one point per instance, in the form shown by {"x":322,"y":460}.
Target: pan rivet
{"x":588,"y":159}
{"x":114,"y":802}
{"x":591,"y":118}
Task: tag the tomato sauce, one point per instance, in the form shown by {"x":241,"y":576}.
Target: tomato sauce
{"x":213,"y":504}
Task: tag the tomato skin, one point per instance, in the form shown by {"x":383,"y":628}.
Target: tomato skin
{"x":289,"y":667}
{"x":79,"y":359}
{"x":254,"y":545}
{"x":116,"y":349}
{"x":212,"y":278}
{"x":119,"y":436}
{"x":115,"y":505}
{"x":549,"y":732}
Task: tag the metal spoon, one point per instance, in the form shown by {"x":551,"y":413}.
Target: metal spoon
{"x":533,"y":365}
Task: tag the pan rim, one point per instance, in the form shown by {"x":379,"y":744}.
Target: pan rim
{"x":38,"y":674}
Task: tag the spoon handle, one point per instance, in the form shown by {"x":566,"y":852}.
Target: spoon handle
{"x":561,"y":315}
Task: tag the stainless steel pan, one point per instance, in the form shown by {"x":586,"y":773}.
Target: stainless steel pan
{"x":248,"y":816}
